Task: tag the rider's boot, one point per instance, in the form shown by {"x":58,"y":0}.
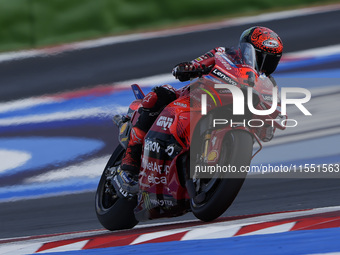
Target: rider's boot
{"x":126,"y":181}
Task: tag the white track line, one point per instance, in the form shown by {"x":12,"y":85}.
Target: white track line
{"x":222,"y":229}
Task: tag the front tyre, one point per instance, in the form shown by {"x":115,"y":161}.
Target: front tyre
{"x":113,"y":212}
{"x":215,"y":195}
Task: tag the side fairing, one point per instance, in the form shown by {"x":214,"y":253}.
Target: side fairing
{"x":162,"y":193}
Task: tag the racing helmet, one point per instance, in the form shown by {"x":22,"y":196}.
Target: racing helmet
{"x":268,"y":47}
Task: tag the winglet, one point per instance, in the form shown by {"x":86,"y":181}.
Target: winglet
{"x":137,"y":91}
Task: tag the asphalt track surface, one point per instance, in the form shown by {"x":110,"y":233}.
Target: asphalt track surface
{"x":86,"y":68}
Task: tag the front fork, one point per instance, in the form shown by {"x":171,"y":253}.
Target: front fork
{"x":206,"y":142}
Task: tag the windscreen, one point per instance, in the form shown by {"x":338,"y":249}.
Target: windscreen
{"x":248,"y":55}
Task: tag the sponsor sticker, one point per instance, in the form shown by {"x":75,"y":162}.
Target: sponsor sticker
{"x":223,"y":76}
{"x":161,"y":202}
{"x":157,"y":179}
{"x":151,"y":146}
{"x":271,"y":43}
{"x":154,"y":167}
{"x":164,"y":122}
{"x":212,"y":155}
{"x":180,"y":104}
{"x":170,"y":150}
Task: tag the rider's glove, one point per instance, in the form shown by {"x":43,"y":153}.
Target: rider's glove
{"x":186,"y":70}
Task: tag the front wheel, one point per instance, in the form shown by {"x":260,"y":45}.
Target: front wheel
{"x":113,"y":212}
{"x":215,"y":195}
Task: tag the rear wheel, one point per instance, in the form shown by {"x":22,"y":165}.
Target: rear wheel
{"x":113,"y":212}
{"x":216,"y":194}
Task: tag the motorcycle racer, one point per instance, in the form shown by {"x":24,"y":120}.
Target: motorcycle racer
{"x":268,"y":47}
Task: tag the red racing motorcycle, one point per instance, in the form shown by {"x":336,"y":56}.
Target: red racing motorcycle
{"x":197,"y":153}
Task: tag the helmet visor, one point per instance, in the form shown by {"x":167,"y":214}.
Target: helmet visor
{"x":267,"y":62}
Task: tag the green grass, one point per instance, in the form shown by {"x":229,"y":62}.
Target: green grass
{"x":37,"y":23}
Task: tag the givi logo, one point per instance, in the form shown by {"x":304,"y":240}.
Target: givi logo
{"x":164,"y":122}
